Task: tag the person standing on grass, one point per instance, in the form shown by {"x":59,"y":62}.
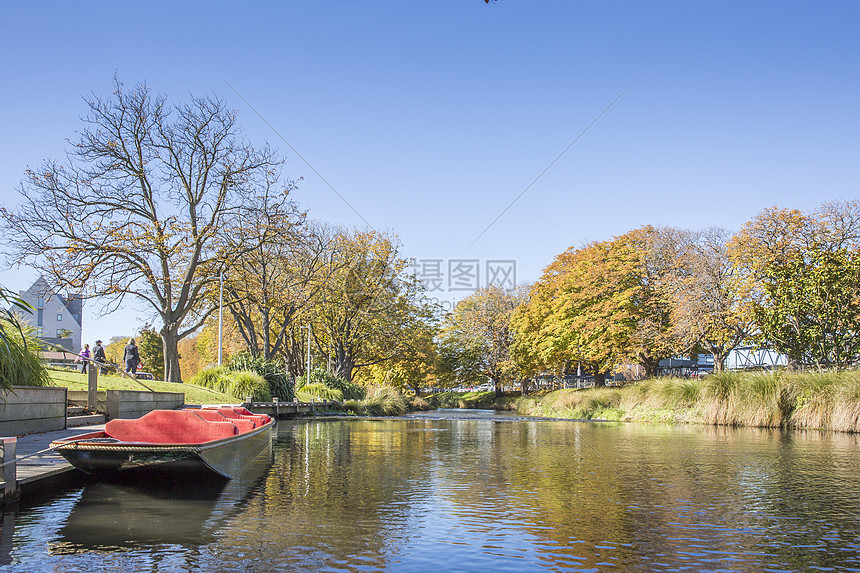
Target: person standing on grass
{"x":99,"y":356}
{"x":131,"y":357}
{"x":84,"y":356}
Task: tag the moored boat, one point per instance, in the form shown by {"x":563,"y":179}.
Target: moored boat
{"x":179,"y":443}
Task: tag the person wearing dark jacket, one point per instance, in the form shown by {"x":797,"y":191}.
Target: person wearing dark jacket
{"x":99,"y":356}
{"x":131,"y":357}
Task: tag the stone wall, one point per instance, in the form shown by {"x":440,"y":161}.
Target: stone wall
{"x":133,"y":404}
{"x":79,"y":398}
{"x":29,"y":409}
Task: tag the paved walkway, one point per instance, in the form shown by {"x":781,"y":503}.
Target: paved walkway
{"x":47,"y":463}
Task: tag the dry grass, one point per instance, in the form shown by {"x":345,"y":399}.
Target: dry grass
{"x":761,"y":399}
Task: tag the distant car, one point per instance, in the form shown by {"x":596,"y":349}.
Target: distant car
{"x":143,"y":376}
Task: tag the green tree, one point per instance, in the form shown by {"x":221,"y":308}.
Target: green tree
{"x":791,"y":267}
{"x":150,"y":347}
{"x":811,"y":308}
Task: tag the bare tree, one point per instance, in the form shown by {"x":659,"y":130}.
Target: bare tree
{"x":143,"y":206}
{"x":705,"y":294}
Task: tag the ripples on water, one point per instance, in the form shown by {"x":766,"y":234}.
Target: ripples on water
{"x":467,"y":491}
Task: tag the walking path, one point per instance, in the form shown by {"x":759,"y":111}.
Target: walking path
{"x":45,"y":464}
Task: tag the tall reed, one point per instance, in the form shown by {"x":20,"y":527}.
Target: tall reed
{"x":813,"y":400}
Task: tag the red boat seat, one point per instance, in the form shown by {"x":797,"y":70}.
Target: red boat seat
{"x":238,"y":413}
{"x":216,"y":416}
{"x":169,"y":427}
{"x":247,"y":413}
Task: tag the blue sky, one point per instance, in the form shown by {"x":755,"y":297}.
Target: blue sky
{"x":430,"y":118}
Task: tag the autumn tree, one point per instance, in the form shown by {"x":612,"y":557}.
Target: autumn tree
{"x":143,"y":206}
{"x":554,"y":332}
{"x":115,"y":349}
{"x":704,"y":293}
{"x":598,"y":306}
{"x":477,"y":337}
{"x":274,"y":282}
{"x":361,"y":314}
{"x":413,"y":366}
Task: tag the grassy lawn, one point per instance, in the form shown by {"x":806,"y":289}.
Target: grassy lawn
{"x":193,"y":394}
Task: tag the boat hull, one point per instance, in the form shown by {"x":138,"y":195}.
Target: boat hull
{"x":227,"y":457}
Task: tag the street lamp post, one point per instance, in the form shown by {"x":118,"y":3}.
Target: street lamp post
{"x":308,"y":365}
{"x":220,"y":314}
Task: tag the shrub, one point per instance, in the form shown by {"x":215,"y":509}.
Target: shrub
{"x":417,"y":403}
{"x":321,"y":391}
{"x":213,"y":377}
{"x":380,"y":401}
{"x":846,"y":412}
{"x":239,"y":384}
{"x":20,"y":360}
{"x":384,"y":401}
{"x":813,"y":396}
{"x":348,"y":390}
{"x":274,"y":372}
{"x":244,"y":383}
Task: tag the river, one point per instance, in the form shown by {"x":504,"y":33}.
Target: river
{"x":475,"y":491}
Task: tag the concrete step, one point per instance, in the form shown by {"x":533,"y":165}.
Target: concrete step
{"x":86,"y":420}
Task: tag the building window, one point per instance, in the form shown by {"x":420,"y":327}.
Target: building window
{"x":61,"y":332}
{"x":40,"y":302}
{"x":40,"y":317}
{"x":39,"y":331}
{"x":59,"y":317}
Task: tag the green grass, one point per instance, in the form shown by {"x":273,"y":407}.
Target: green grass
{"x":193,"y":394}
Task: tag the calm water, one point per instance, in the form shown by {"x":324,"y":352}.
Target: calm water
{"x":453,"y":491}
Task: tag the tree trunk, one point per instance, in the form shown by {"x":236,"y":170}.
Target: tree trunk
{"x":719,"y":360}
{"x":170,"y":339}
{"x":344,"y":365}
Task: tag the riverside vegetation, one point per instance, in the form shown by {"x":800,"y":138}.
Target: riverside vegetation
{"x":777,"y":399}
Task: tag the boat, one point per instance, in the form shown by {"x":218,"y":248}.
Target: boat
{"x":188,"y":513}
{"x":175,"y":443}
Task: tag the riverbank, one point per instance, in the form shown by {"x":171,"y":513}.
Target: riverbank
{"x":828,"y":401}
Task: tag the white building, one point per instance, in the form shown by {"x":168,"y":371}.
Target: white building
{"x":54,"y":315}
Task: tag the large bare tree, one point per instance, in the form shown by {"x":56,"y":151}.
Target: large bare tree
{"x":143,"y":205}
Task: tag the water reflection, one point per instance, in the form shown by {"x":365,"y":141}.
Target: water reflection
{"x":111,"y":516}
{"x":456,"y":491}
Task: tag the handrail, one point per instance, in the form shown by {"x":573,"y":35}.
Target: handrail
{"x":65,"y":350}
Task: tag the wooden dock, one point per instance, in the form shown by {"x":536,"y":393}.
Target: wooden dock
{"x":38,"y":469}
{"x":278,"y":409}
